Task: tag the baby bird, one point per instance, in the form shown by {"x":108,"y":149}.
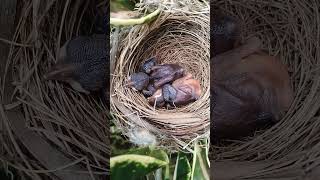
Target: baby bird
{"x":149,"y":91}
{"x":225,"y":32}
{"x":182,"y":91}
{"x":141,"y":81}
{"x":163,"y":74}
{"x":234,"y":116}
{"x":157,"y":98}
{"x":82,"y":62}
{"x":138,"y":81}
{"x":148,"y":64}
{"x":224,"y":61}
{"x":250,"y":90}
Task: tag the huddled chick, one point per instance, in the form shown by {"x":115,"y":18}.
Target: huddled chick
{"x":165,"y":85}
{"x":249,"y":88}
{"x":182,"y":91}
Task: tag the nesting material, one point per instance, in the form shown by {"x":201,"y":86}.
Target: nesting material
{"x":291,"y":32}
{"x":56,"y":127}
{"x":174,"y":38}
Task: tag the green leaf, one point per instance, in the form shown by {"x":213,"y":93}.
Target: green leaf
{"x":150,"y":151}
{"x":183,"y":168}
{"x":156,"y":153}
{"x":200,"y":167}
{"x":119,"y":144}
{"x":132,"y":166}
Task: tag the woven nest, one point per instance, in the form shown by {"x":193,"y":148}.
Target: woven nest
{"x":289,"y":29}
{"x":52,"y":131}
{"x":174,"y":37}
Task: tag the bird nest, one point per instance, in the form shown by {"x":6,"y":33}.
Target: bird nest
{"x":290,"y":30}
{"x":52,"y":131}
{"x":174,"y":37}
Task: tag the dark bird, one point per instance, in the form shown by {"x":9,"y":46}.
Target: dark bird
{"x":166,"y":73}
{"x":157,"y":99}
{"x":148,"y":64}
{"x":150,"y":90}
{"x":138,"y":81}
{"x":225,"y":32}
{"x":250,"y":90}
{"x":82,"y":62}
{"x":234,"y":116}
{"x":182,"y":91}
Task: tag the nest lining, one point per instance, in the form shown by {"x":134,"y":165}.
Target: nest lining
{"x":73,"y":124}
{"x":289,"y":30}
{"x":175,"y":37}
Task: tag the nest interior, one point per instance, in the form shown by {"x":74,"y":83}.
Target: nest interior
{"x":48,"y":124}
{"x":290,"y":30}
{"x":175,"y":37}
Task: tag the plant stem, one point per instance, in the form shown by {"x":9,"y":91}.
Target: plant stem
{"x":129,"y":22}
{"x":194,"y":159}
